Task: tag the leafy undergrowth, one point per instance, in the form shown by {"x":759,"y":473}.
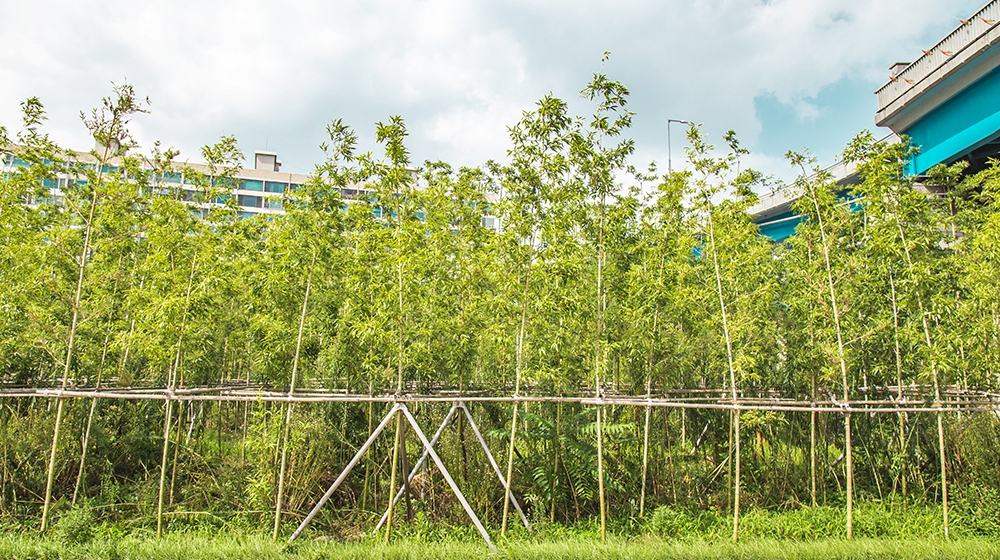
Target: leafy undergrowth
{"x":871,"y":520}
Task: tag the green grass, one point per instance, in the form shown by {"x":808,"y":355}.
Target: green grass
{"x":882,"y":531}
{"x":183,"y":546}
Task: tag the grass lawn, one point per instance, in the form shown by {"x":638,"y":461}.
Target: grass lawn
{"x":198,"y":545}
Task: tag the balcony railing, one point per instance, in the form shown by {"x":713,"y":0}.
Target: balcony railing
{"x":951,"y":46}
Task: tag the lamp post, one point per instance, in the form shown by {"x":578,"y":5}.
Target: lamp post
{"x":669,"y":163}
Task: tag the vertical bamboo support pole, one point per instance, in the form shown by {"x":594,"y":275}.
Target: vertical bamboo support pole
{"x":649,"y":388}
{"x":517,"y":384}
{"x":163,"y":462}
{"x":177,"y":445}
{"x":392,"y":477}
{"x":90,"y":420}
{"x":812,"y":413}
{"x":899,"y":382}
{"x":732,"y":376}
{"x":848,"y":455}
{"x":404,"y":464}
{"x":941,"y":451}
{"x":169,"y":401}
{"x":555,"y":463}
{"x":289,"y":405}
{"x":84,"y":253}
{"x":645,"y":455}
{"x":368,"y":466}
{"x":400,"y":199}
{"x":812,"y":441}
{"x":937,"y":385}
{"x":599,"y":393}
{"x":510,"y":459}
{"x":600,"y":474}
{"x":683,"y":428}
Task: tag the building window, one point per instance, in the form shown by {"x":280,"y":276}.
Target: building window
{"x":167,"y":177}
{"x":248,"y":201}
{"x":273,"y":187}
{"x":253,"y":185}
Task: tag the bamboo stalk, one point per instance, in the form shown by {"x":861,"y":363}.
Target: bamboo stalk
{"x":934,"y":372}
{"x":83,"y":260}
{"x":405,"y":466}
{"x":812,"y":445}
{"x":169,"y":397}
{"x":600,"y":474}
{"x":812,"y":396}
{"x":398,"y":180}
{"x":289,"y":406}
{"x":645,"y":456}
{"x":598,"y":362}
{"x":392,"y":478}
{"x":90,"y":422}
{"x":849,"y":462}
{"x":555,"y":462}
{"x":517,"y":383}
{"x":732,"y":375}
{"x":368,"y":466}
{"x":177,"y":446}
{"x":649,"y":388}
{"x":163,"y":470}
{"x":899,"y":381}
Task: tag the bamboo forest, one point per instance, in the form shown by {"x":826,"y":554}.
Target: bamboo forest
{"x":624,"y":350}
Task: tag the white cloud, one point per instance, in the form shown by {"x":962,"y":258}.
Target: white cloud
{"x":459,"y":72}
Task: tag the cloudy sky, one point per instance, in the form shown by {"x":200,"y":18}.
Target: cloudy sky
{"x":784,"y":74}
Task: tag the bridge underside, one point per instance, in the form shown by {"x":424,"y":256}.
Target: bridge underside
{"x":963,"y":127}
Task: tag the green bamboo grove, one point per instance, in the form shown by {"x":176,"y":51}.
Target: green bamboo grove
{"x":604,"y":279}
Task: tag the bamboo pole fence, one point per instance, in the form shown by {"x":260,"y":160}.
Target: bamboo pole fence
{"x":909,"y":399}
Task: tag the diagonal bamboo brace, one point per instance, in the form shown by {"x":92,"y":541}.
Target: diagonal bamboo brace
{"x":493,"y":463}
{"x":447,"y":477}
{"x":347,"y":470}
{"x":417,"y":467}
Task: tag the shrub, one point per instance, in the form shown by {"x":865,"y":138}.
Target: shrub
{"x":76,"y":526}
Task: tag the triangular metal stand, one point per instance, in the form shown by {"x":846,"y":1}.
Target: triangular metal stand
{"x":398,"y":408}
{"x":423,"y":458}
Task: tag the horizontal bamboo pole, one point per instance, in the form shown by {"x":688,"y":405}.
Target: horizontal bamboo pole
{"x":223,"y":394}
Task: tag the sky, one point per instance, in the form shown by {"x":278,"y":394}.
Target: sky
{"x":783,"y":74}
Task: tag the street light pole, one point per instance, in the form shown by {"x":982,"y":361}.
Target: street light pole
{"x":669,"y":163}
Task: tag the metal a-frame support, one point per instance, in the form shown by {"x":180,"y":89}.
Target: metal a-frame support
{"x":423,"y":458}
{"x":398,"y":408}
